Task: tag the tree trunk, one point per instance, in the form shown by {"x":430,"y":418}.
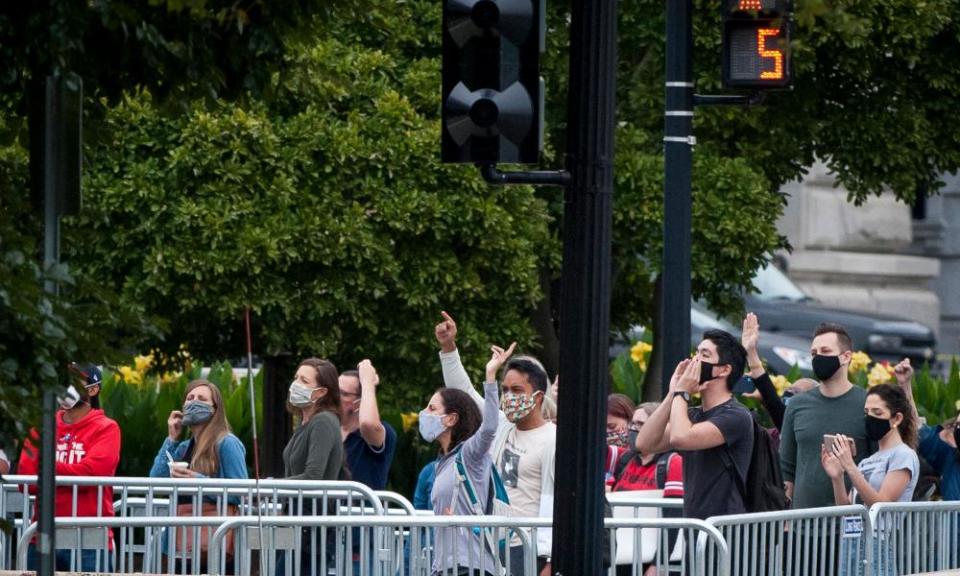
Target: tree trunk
{"x":652,"y":379}
{"x":542,"y":320}
{"x":277,"y":423}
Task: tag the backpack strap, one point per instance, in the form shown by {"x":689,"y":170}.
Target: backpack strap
{"x":727,"y":458}
{"x":622,"y":463}
{"x":663,"y":464}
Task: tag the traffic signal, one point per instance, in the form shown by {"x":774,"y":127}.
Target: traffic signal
{"x":492,"y":92}
{"x":756,"y":43}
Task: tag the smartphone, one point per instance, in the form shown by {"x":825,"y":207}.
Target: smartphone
{"x":828,"y":440}
{"x":744,"y":386}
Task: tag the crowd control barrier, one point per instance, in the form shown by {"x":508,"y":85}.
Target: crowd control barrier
{"x":172,"y":497}
{"x":912,"y":537}
{"x":831,"y":541}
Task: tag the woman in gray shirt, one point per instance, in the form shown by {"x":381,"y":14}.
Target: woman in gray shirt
{"x":315,"y":451}
{"x":453,"y":420}
{"x":888,"y":475}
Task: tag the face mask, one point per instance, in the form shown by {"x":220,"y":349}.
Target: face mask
{"x":956,"y":439}
{"x":706,"y":372}
{"x":618,"y":438}
{"x":517,"y":406}
{"x":196,"y":413}
{"x":431,"y":425}
{"x":632,"y":439}
{"x":69,"y":400}
{"x":825,"y":366}
{"x":876,"y":428}
{"x":787,"y":397}
{"x":300,"y":395}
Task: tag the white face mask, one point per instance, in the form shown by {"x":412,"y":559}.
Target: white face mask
{"x":431,"y":425}
{"x":300,"y":395}
{"x":71,"y":399}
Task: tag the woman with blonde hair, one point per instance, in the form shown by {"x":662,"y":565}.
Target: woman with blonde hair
{"x":210,"y":451}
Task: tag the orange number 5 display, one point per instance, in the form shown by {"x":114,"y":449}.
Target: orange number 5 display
{"x":776,"y":53}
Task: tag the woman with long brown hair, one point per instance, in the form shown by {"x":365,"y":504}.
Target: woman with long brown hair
{"x":315,"y":451}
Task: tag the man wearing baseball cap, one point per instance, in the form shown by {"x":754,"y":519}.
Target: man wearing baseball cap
{"x":87,"y":444}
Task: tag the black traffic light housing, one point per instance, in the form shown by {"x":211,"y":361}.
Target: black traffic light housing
{"x":756,"y":43}
{"x":492,"y":92}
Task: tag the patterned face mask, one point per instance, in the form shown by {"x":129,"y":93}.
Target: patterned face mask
{"x":517,"y":406}
{"x":619,"y":438}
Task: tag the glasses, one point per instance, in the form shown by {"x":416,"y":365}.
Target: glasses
{"x":635,"y":426}
{"x":354,"y":394}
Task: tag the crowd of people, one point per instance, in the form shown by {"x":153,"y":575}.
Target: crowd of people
{"x":837,"y":443}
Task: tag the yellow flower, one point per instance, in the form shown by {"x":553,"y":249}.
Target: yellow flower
{"x":639,"y":352}
{"x":143,"y":363}
{"x":858,"y":363}
{"x":881,"y":373}
{"x":129,"y":375}
{"x":409,"y":420}
{"x":781,"y":383}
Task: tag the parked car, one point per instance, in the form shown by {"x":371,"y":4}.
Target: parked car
{"x":783,"y":308}
{"x":781,"y":352}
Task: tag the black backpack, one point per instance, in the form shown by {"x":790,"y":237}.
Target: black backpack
{"x":763,"y":476}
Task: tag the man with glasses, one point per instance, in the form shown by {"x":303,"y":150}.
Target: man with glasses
{"x":368,"y":442}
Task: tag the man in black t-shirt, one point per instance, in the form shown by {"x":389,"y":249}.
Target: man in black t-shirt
{"x":369,"y":444}
{"x":715,"y":438}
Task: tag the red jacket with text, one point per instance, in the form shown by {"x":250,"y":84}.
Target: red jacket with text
{"x":88,"y":447}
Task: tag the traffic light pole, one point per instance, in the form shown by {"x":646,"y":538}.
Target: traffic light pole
{"x":585,"y":290}
{"x":678,"y":142}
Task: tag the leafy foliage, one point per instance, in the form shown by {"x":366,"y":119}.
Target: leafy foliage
{"x":335,"y":223}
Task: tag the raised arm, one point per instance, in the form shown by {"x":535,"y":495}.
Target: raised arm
{"x":371,"y":428}
{"x":480,"y":443}
{"x":750,"y":338}
{"x":454,"y":375}
{"x":654,"y":436}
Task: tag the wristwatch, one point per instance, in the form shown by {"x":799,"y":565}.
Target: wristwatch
{"x":683,"y":394}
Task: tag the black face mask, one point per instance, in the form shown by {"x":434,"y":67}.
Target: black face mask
{"x":825,"y":366}
{"x":956,"y":439}
{"x":876,"y":428}
{"x":706,"y":372}
{"x":632,"y":439}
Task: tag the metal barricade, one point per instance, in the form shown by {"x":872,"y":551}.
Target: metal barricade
{"x":911,"y":537}
{"x":823,"y":541}
{"x":650,"y":546}
{"x":170,"y":497}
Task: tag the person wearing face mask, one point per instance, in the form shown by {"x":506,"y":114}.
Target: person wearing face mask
{"x":315,"y":451}
{"x":620,"y":409}
{"x":888,"y":475}
{"x":715,"y":438}
{"x":834,"y":407}
{"x":87,"y":444}
{"x":525,"y":445}
{"x":210,"y":451}
{"x":938,"y":445}
{"x":463,"y":431}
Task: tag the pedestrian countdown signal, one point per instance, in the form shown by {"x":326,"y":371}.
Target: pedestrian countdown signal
{"x":756,"y":43}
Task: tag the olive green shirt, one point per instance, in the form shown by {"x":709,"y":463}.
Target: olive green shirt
{"x":315,"y":452}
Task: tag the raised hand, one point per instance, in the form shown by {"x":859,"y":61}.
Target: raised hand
{"x":368,"y":374}
{"x":175,"y":425}
{"x":498,"y":357}
{"x":446,"y":333}
{"x":690,"y":379}
{"x":904,"y":373}
{"x":751,"y":334}
{"x":678,"y":373}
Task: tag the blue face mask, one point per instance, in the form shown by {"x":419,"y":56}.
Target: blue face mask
{"x":196,"y":413}
{"x":431,"y":425}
